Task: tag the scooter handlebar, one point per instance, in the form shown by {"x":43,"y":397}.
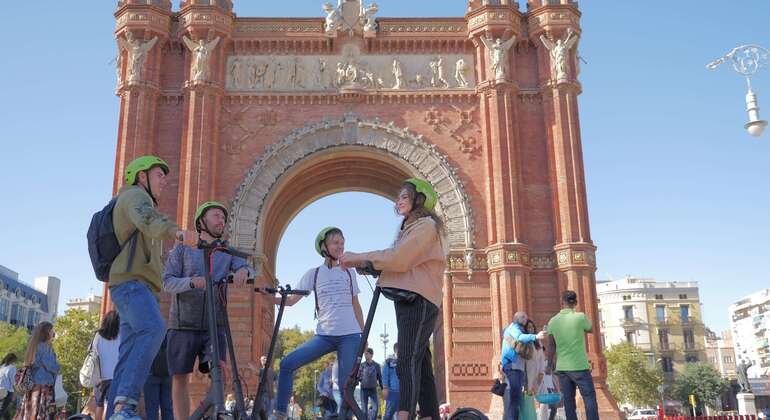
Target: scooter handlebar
{"x":221,"y":246}
{"x":368,"y":268}
{"x":282,"y":290}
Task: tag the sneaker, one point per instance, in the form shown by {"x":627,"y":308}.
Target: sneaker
{"x":125,"y":413}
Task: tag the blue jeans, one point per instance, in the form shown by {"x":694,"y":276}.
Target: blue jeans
{"x":370,"y":394}
{"x":141,"y":333}
{"x":582,"y":380}
{"x":391,"y":405}
{"x":157,"y":397}
{"x":515,"y":379}
{"x":317,"y":346}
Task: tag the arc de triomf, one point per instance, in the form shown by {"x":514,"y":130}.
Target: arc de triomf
{"x":270,"y":114}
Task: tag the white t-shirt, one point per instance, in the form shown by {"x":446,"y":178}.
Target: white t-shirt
{"x":335,"y":301}
{"x":108,"y":355}
{"x":7,"y":377}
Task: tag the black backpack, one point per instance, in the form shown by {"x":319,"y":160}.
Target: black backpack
{"x":103,"y":245}
{"x":369,"y":375}
{"x":467,"y":413}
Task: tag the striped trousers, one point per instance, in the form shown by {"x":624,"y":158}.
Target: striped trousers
{"x":415,"y":322}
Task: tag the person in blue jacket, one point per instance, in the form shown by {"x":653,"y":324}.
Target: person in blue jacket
{"x":513,"y":364}
{"x":390,"y":388}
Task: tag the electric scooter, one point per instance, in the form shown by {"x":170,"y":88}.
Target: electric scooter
{"x":260,"y":412}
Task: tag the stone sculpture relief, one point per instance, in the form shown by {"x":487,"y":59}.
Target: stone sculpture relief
{"x":201,"y":55}
{"x":351,"y":16}
{"x":498,"y":55}
{"x":137,"y":55}
{"x":326,"y":73}
{"x":559,"y":53}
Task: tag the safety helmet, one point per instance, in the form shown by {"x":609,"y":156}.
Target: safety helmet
{"x":321,"y":237}
{"x":423,"y":187}
{"x":203,"y":208}
{"x":144,"y":163}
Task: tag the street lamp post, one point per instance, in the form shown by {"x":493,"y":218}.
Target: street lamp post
{"x":747,"y":60}
{"x":661,"y":389}
{"x":315,"y":390}
{"x":384,"y":337}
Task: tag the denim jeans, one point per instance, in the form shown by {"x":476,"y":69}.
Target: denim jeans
{"x":141,"y":334}
{"x":582,"y":380}
{"x":391,"y":405}
{"x":157,"y":397}
{"x":515,"y":380}
{"x":319,"y":345}
{"x":370,"y":394}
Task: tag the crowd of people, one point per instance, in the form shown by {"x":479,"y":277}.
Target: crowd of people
{"x":139,"y":355}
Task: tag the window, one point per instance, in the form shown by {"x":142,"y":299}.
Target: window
{"x":31,"y":319}
{"x":22,"y":315}
{"x":14,"y":313}
{"x":663,"y":338}
{"x":684,"y":313}
{"x":659,"y":297}
{"x":3,"y":309}
{"x":630,"y":337}
{"x":689,"y":339}
{"x":667,"y":364}
{"x":660,"y":313}
{"x":604,"y":343}
{"x":691,"y":358}
{"x":626,"y":297}
{"x":727,"y":359}
{"x":683,"y":296}
{"x":628,"y":313}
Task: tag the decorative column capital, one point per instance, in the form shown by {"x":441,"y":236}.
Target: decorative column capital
{"x":570,"y":256}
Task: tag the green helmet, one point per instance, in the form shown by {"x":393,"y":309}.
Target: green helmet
{"x":423,"y":187}
{"x":144,"y":163}
{"x":322,"y":237}
{"x":203,"y":208}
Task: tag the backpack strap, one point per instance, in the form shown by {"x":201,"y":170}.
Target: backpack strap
{"x":315,"y":291}
{"x":350,"y":277}
{"x":132,"y":252}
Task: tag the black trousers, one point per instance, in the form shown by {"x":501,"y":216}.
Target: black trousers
{"x":5,"y":406}
{"x":416,"y":322}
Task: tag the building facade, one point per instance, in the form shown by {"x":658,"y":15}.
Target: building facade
{"x":662,"y":319}
{"x":91,"y":304}
{"x":25,"y":305}
{"x":749,"y":324}
{"x":269,"y":114}
{"x":720,"y":353}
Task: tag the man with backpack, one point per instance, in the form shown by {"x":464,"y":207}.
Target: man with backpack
{"x":339,"y":315}
{"x":390,"y":386}
{"x":184,"y":277}
{"x":370,"y":376}
{"x":127,"y":236}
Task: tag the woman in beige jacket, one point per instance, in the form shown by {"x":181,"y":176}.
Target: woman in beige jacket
{"x":412,"y":276}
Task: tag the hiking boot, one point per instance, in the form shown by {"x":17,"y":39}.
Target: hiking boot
{"x":125,"y":413}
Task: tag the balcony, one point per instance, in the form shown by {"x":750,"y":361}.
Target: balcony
{"x":692,"y":347}
{"x":630,"y":322}
{"x":667,"y":347}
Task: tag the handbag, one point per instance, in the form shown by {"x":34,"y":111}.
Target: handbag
{"x":498,"y":388}
{"x":399,"y":295}
{"x":524,"y":350}
{"x":22,"y":383}
{"x":548,"y":393}
{"x":527,"y":407}
{"x":90,"y":372}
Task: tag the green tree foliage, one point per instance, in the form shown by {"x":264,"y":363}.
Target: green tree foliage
{"x":630,"y":377}
{"x":288,"y":340}
{"x":13,"y":340}
{"x":74,"y":332}
{"x":701,"y":380}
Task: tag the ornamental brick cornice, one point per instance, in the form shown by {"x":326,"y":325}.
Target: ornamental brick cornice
{"x":204,"y":87}
{"x":143,"y":17}
{"x":508,"y":255}
{"x":201,"y":18}
{"x":575,"y":255}
{"x":144,"y":86}
{"x":492,"y":18}
{"x":570,"y":86}
{"x":369,"y":98}
{"x":499,"y":87}
{"x":552,"y":18}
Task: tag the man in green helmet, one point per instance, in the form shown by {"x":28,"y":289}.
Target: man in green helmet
{"x":188,"y":337}
{"x":339,"y":315}
{"x":135,"y":279}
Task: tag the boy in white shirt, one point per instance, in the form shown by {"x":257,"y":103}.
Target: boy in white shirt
{"x":339,"y":315}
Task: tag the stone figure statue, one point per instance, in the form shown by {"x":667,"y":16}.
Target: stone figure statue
{"x":398,"y":75}
{"x":201,"y":55}
{"x":461,"y":70}
{"x":236,"y":73}
{"x":498,"y":55}
{"x":743,"y":376}
{"x":437,"y":73}
{"x":333,"y":18}
{"x":559,"y":52}
{"x":137,"y":55}
{"x":340,"y":74}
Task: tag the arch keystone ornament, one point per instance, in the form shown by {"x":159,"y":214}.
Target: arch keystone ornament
{"x":272,"y":113}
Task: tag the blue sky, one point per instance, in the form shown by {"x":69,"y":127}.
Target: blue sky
{"x":677,"y":190}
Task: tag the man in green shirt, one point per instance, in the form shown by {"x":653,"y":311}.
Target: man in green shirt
{"x":566,"y":341}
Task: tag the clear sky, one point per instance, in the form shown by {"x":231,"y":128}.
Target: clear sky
{"x":677,"y":190}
